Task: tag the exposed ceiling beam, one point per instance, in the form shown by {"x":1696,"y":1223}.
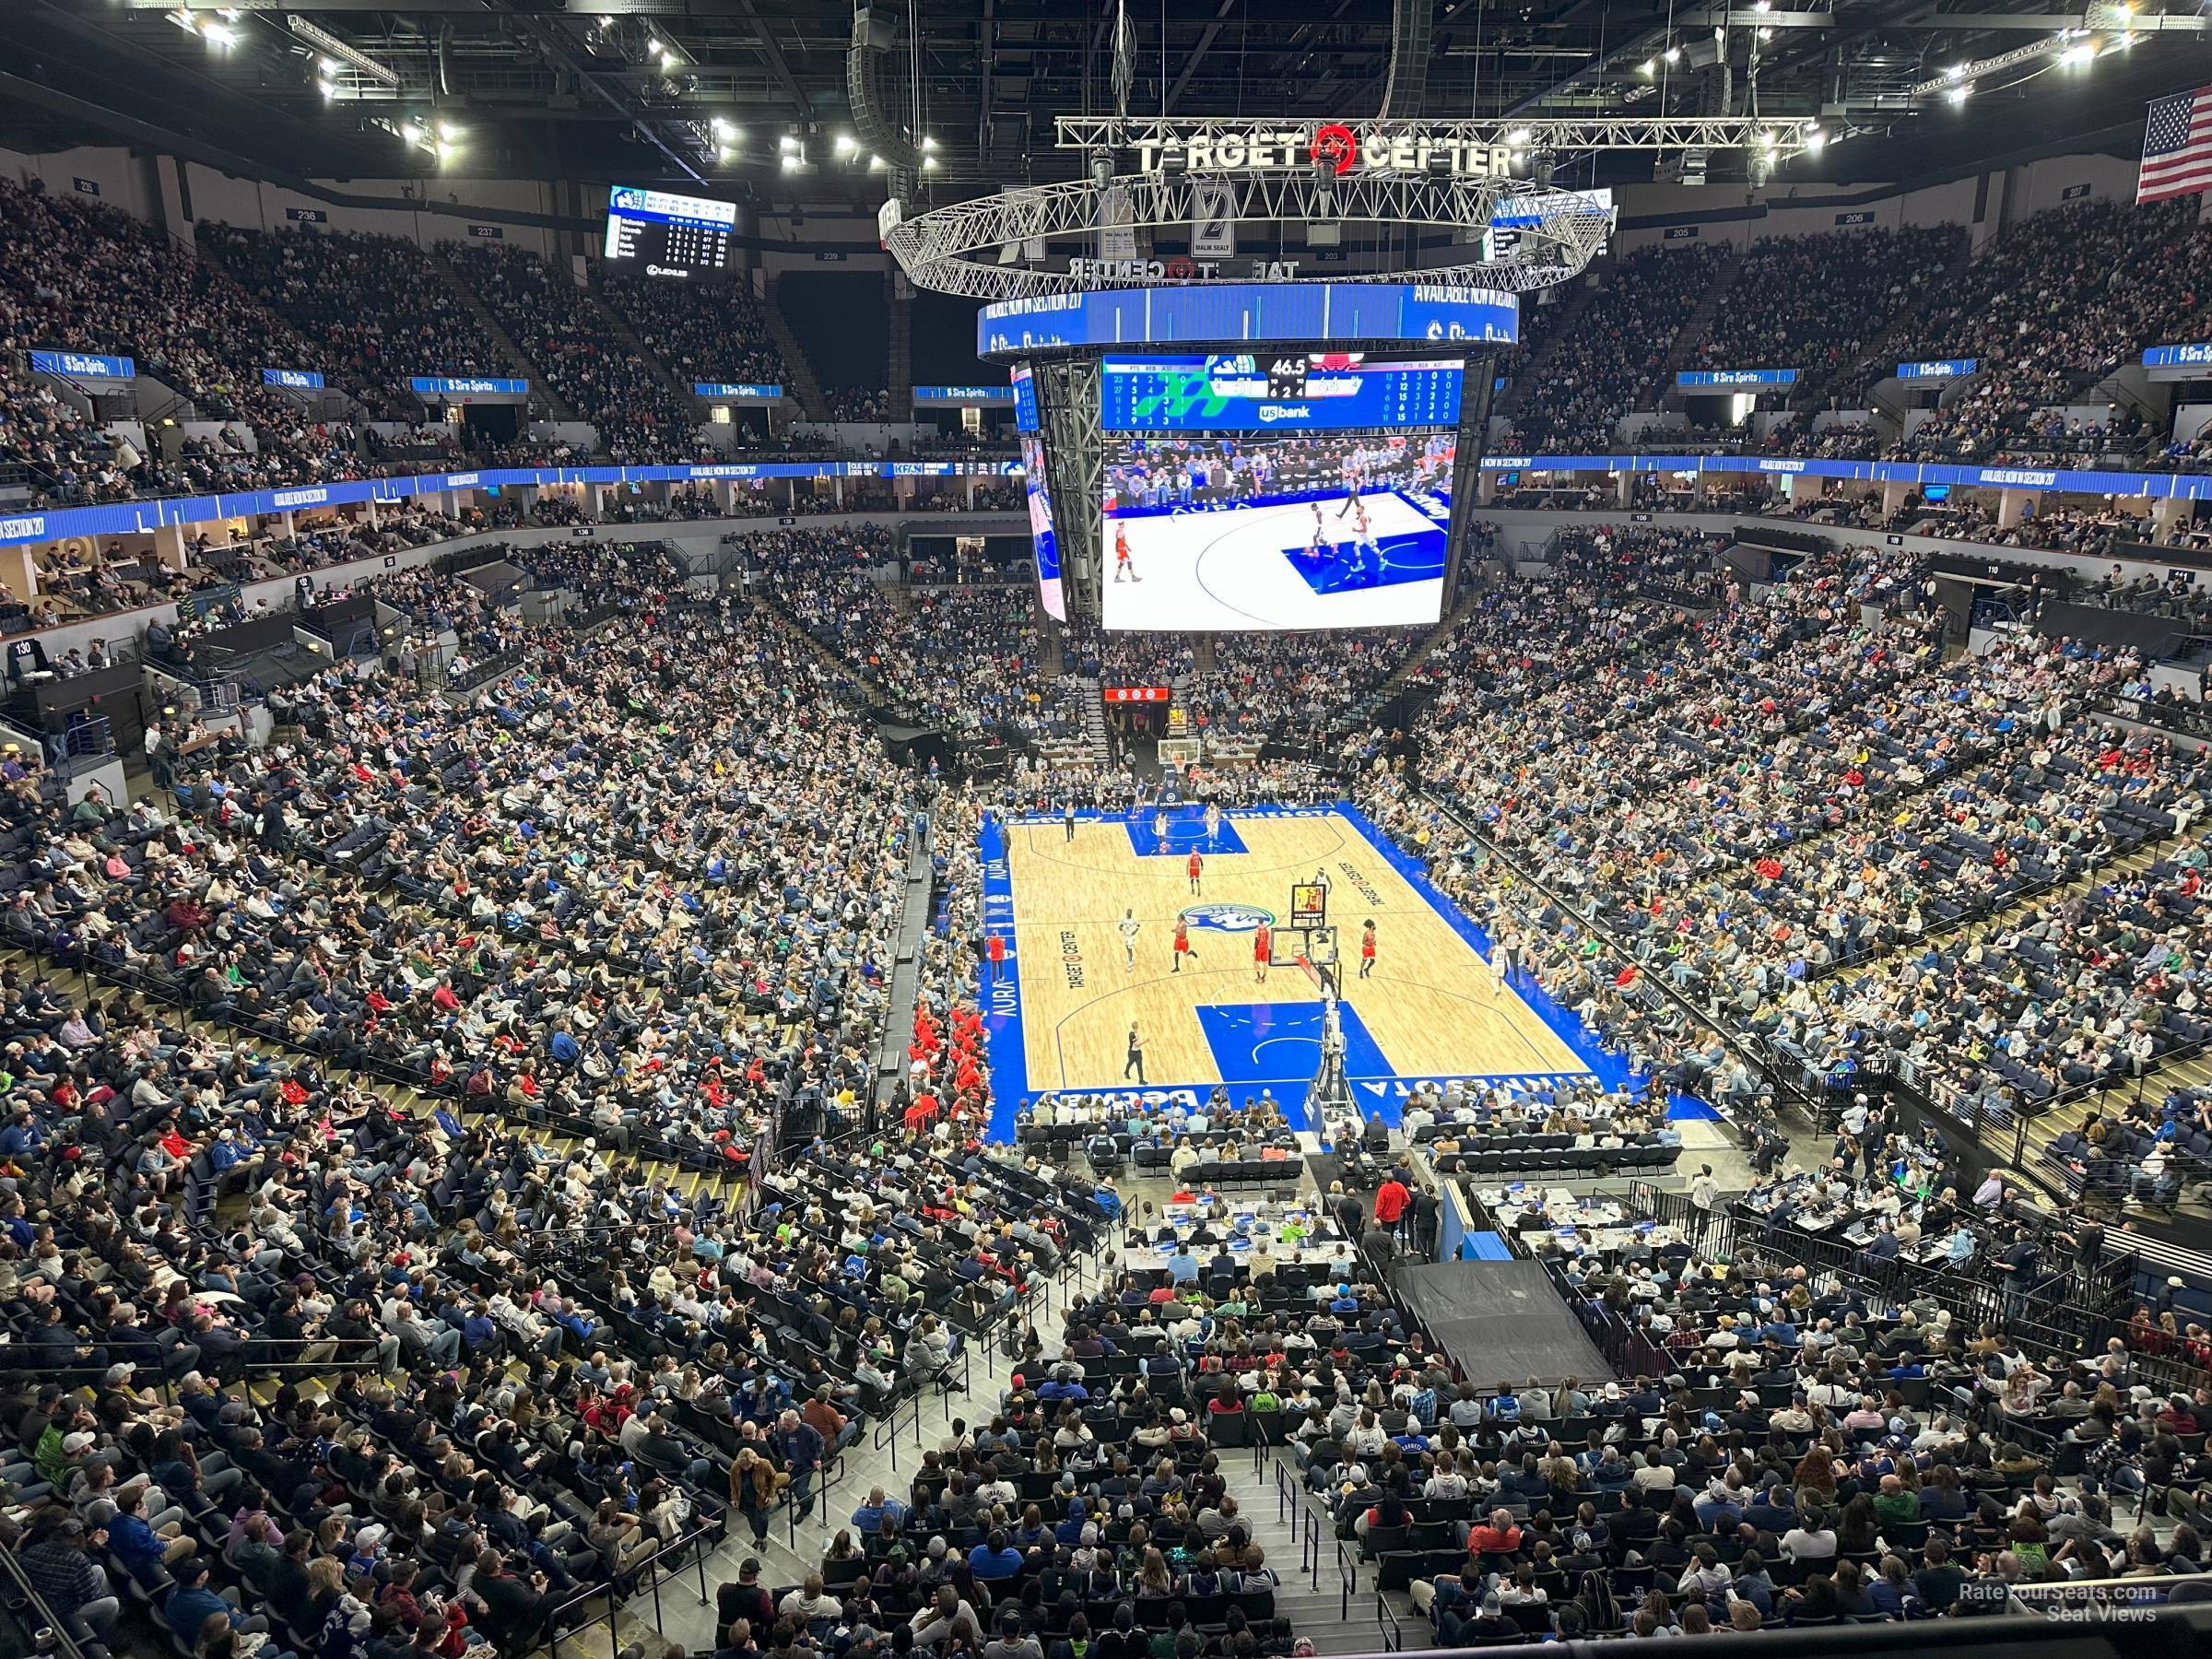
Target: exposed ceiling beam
{"x":549,"y":38}
{"x":778,"y":64}
{"x":1206,"y":45}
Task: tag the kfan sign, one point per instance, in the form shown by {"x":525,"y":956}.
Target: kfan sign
{"x":1330,"y":145}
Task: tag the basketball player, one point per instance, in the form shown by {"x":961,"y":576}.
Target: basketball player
{"x":1500,"y":964}
{"x":1321,"y":548}
{"x":1122,"y":566}
{"x":1182,"y":943}
{"x":1196,"y":865}
{"x":1129,"y":927}
{"x":1213,"y":823}
{"x":1370,"y":559}
{"x":1263,"y":951}
{"x":1160,"y":825}
{"x":1367,"y":949}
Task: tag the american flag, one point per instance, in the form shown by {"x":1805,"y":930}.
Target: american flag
{"x":2177,"y":148}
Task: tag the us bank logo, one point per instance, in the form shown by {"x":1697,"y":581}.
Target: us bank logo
{"x":1229,"y":918}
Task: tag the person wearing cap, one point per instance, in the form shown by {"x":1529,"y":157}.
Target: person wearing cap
{"x":192,"y":1604}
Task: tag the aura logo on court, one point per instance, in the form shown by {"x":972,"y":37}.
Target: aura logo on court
{"x":1229,"y":918}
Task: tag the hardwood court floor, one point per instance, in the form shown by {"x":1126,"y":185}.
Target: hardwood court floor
{"x":1430,"y":1009}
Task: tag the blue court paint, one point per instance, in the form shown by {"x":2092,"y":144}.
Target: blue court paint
{"x":1611,"y":1069}
{"x":1001,"y":1003}
{"x":1186,"y":831}
{"x":1277,"y":1046}
{"x":1379,"y":1090}
{"x":1345,"y":566}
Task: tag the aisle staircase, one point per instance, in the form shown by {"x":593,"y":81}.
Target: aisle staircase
{"x":1526,"y":376}
{"x":1094,"y":721}
{"x":800,"y":382}
{"x":1812,"y":395}
{"x":901,"y":310}
{"x":637,"y":348}
{"x":1694,"y":330}
{"x":518,"y":360}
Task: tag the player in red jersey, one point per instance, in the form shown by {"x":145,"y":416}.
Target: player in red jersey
{"x":1263,"y":952}
{"x":1122,"y":566}
{"x":1196,"y":865}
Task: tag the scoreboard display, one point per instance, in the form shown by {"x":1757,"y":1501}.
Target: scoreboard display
{"x":668,"y":235}
{"x":1275,"y":391}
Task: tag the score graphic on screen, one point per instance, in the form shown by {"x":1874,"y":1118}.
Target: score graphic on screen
{"x":668,"y":235}
{"x":1275,"y":492}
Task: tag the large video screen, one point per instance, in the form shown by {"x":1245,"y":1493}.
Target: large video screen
{"x":1042,"y":535}
{"x":668,"y":235}
{"x":1275,"y":492}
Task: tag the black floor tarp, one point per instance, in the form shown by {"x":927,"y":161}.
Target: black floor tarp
{"x":1502,"y":1321}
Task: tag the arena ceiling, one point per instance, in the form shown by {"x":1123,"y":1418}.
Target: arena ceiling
{"x":686,"y":92}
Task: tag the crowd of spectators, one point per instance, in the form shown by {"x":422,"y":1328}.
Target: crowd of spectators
{"x":1607,"y":361}
{"x":378,"y":310}
{"x":2057,"y":301}
{"x":639,"y":415}
{"x":1813,"y":302}
{"x":701,"y":332}
{"x":79,"y":276}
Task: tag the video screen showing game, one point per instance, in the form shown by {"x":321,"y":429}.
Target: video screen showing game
{"x":1043,"y":535}
{"x":1273,"y":493}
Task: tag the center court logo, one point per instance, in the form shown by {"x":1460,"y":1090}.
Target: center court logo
{"x":1229,"y":918}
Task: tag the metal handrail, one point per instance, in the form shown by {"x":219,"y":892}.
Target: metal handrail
{"x":1386,"y":1620}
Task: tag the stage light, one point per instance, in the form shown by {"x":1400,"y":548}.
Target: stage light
{"x":2080,"y":52}
{"x":722,"y":128}
{"x":448,"y":131}
{"x":929,"y":144}
{"x":1958,"y":95}
{"x":1650,"y":65}
{"x":844,"y":144}
{"x":1517,"y":138}
{"x":1673,"y":54}
{"x":1956,"y":70}
{"x":929,"y":164}
{"x":787,"y":144}
{"x":791,"y":163}
{"x":411,"y":132}
{"x":1816,"y":141}
{"x":874,"y":163}
{"x":222,"y":34}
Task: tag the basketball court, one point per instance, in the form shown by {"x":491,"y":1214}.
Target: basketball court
{"x":1059,"y":1017}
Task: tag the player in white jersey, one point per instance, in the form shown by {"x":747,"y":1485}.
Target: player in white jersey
{"x":1129,"y":927}
{"x":1159,"y":826}
{"x":1213,"y":823}
{"x":1370,"y":559}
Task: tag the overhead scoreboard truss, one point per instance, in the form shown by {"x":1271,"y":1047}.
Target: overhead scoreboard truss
{"x":1060,"y":263}
{"x":957,"y":248}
